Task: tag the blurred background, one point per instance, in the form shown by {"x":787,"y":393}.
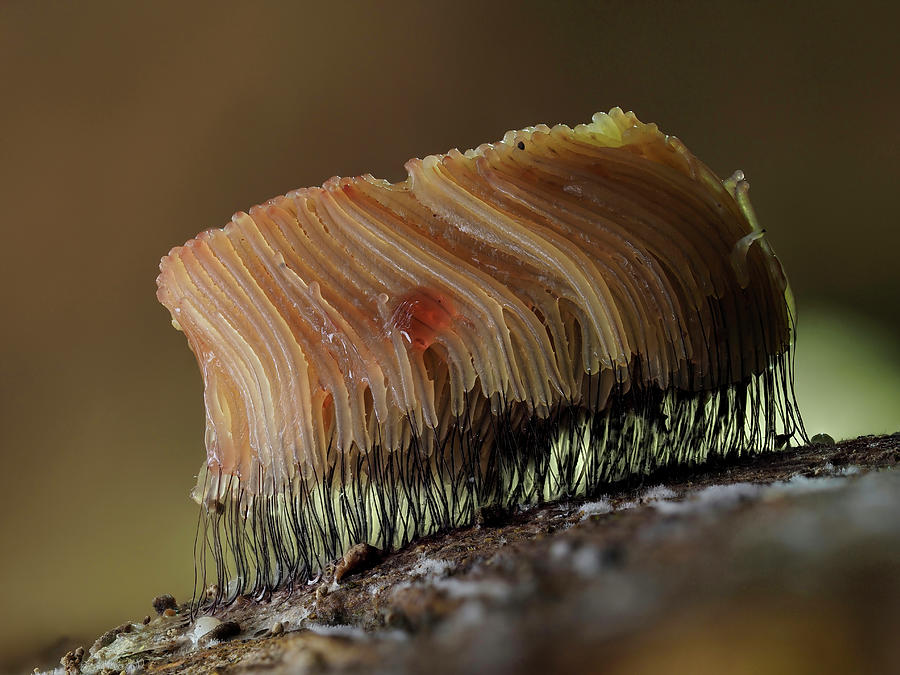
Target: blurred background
{"x":125,"y":129}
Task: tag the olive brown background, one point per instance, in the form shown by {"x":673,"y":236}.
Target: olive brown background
{"x":127,"y":128}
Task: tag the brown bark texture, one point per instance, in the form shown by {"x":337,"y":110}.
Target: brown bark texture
{"x":787,"y":562}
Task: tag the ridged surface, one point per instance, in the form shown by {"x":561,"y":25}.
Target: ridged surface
{"x":343,"y":316}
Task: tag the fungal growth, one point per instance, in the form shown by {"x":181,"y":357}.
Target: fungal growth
{"x":522,"y":322}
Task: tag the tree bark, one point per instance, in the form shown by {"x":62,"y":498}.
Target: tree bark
{"x":785,"y":562}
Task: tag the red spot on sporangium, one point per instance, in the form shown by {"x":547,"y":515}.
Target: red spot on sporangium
{"x":421,"y":315}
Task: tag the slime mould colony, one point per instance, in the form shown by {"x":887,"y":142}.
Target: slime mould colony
{"x":517,"y":323}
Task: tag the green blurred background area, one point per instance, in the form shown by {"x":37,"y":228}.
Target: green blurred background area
{"x":127,"y":128}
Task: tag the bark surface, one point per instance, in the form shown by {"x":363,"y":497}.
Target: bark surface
{"x":780,"y":563}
